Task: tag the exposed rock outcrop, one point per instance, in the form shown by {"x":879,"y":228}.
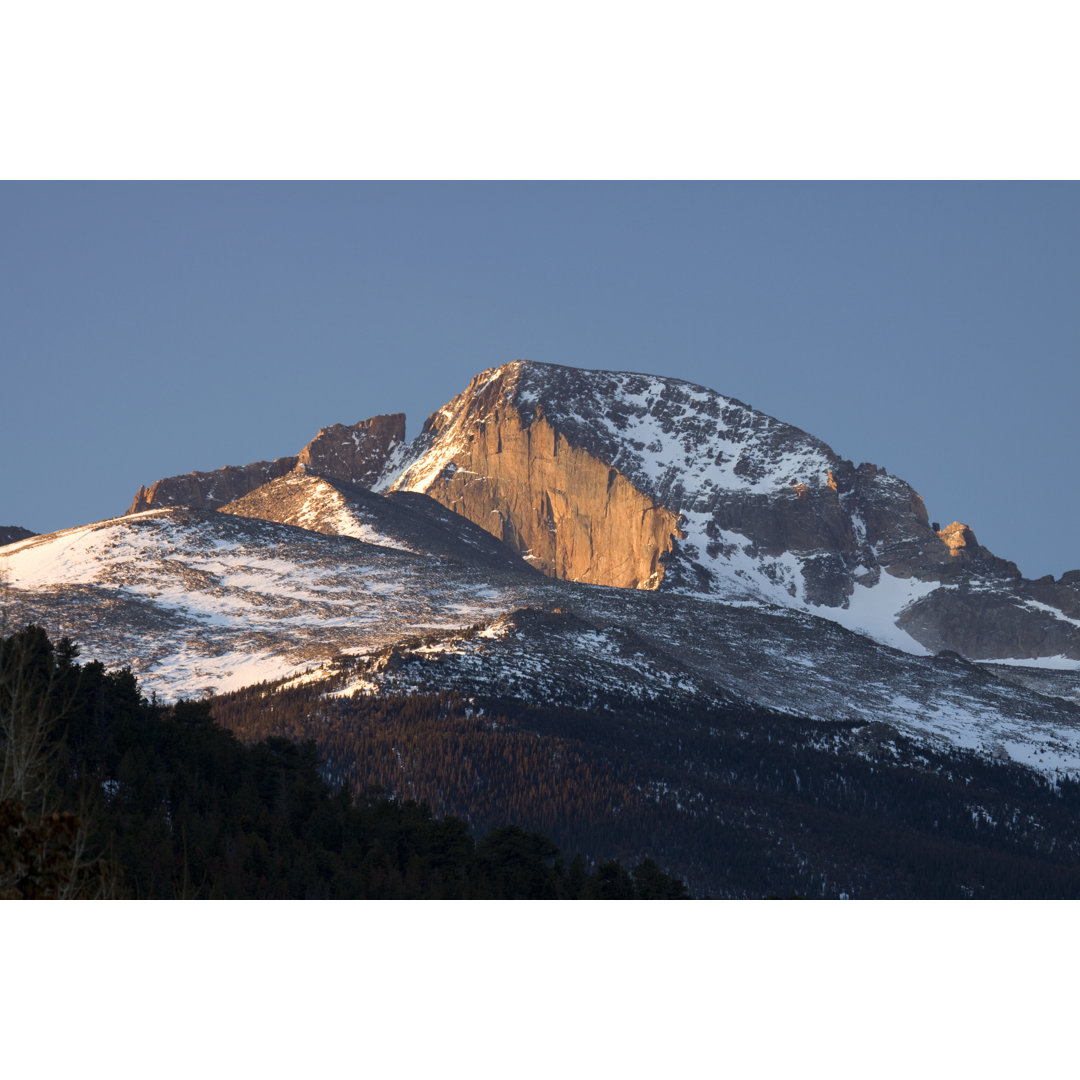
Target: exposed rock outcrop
{"x":355,"y":455}
{"x":987,"y":623}
{"x":209,"y":490}
{"x":569,"y":513}
{"x":10,"y":534}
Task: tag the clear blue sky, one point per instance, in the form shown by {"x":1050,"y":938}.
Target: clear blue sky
{"x":934,"y":329}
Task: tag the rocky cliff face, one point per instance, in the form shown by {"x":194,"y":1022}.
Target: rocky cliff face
{"x":354,"y":455}
{"x":565,"y":509}
{"x":630,"y":480}
{"x":357,"y":454}
{"x":637,"y":481}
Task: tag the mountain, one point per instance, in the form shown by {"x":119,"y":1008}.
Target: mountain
{"x":628,"y":589}
{"x":409,"y":590}
{"x":644,"y":482}
{"x":638,"y":481}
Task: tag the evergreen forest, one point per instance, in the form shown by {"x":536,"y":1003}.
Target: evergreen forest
{"x":738,"y":802}
{"x":104,"y":794}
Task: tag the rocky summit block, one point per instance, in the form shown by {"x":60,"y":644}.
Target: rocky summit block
{"x":357,"y":454}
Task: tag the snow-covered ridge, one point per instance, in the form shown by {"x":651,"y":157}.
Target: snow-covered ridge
{"x":675,"y":438}
{"x":667,"y":435}
{"x":314,"y":503}
{"x":199,"y":601}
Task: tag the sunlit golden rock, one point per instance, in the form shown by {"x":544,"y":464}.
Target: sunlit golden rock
{"x":957,"y":537}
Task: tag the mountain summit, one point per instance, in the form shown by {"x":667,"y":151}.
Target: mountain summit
{"x":639,"y":481}
{"x":646,"y":482}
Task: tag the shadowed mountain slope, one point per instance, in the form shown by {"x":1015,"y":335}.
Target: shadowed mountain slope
{"x":407,"y":520}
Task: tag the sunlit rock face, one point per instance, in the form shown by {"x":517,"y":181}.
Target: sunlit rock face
{"x":567,"y":511}
{"x":355,"y":454}
{"x":958,"y":538}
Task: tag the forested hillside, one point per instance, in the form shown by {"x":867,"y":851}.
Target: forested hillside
{"x":104,"y":794}
{"x":737,"y":801}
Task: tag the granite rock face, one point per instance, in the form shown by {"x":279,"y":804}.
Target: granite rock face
{"x":567,"y":511}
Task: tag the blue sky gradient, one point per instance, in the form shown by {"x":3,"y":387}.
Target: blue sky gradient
{"x":149,"y":329}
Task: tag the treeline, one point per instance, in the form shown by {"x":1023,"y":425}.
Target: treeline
{"x":103,"y":794}
{"x":738,"y":802}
